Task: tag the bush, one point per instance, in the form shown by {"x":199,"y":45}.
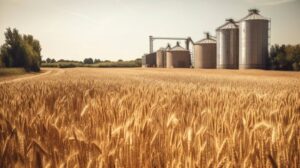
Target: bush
{"x":296,"y":66}
{"x":66,"y":65}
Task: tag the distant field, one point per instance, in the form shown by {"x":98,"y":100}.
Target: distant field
{"x":89,"y":117}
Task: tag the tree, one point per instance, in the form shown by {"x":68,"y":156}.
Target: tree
{"x":53,"y":61}
{"x":285,"y":57}
{"x":97,"y":61}
{"x":21,"y":51}
{"x":6,"y":59}
{"x":120,"y":60}
{"x":48,"y":60}
{"x":88,"y":61}
{"x":138,"y":61}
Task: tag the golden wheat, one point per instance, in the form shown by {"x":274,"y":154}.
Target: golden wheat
{"x":151,"y":118}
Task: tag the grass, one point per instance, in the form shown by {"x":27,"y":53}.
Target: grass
{"x":11,"y":71}
{"x":152,"y":118}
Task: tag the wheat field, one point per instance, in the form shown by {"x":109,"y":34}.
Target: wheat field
{"x":133,"y":118}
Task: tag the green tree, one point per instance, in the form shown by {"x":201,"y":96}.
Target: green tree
{"x":6,"y":59}
{"x":97,"y":61}
{"x":88,"y":61}
{"x":21,"y":51}
{"x":48,"y":60}
{"x":138,"y":61}
{"x":285,"y":57}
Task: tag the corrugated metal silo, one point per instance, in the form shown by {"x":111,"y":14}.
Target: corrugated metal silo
{"x":253,"y":41}
{"x":205,"y":53}
{"x":161,"y":58}
{"x":178,"y":57}
{"x":228,"y":45}
{"x":149,"y":60}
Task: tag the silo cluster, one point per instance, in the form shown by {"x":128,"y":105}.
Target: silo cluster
{"x":239,"y":44}
{"x":243,"y":44}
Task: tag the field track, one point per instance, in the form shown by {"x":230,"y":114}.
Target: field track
{"x":114,"y":117}
{"x":45,"y":73}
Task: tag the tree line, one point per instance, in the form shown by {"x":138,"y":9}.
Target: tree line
{"x":85,"y":61}
{"x":20,"y":51}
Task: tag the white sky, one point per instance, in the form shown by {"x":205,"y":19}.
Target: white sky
{"x":119,"y":29}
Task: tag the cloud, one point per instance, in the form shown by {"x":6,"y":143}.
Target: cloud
{"x":270,"y":2}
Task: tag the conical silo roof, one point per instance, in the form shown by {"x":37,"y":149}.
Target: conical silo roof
{"x":208,"y":39}
{"x":253,"y":15}
{"x":178,"y":48}
{"x":168,"y":48}
{"x":230,"y":24}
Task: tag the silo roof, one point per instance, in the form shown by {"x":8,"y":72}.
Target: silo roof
{"x":228,"y":25}
{"x":253,"y":15}
{"x":206,"y":41}
{"x":178,"y":48}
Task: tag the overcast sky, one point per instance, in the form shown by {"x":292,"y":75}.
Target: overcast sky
{"x":119,"y":29}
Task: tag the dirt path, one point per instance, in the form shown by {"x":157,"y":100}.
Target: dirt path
{"x":47,"y":71}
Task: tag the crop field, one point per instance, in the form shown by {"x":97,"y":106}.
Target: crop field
{"x":89,"y":117}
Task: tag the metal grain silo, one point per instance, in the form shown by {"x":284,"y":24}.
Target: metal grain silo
{"x":149,"y":60}
{"x":161,"y":58}
{"x":205,"y":53}
{"x":228,"y":45}
{"x":253,"y":41}
{"x":178,"y":57}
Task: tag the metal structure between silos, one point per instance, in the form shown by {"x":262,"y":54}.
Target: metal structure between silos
{"x":228,"y":45}
{"x":205,"y":53}
{"x":178,"y":57}
{"x":253,"y":41}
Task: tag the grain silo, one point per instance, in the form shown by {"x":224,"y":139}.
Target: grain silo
{"x":161,"y":58}
{"x":149,"y":60}
{"x":205,"y":53}
{"x":253,"y":41}
{"x":178,"y":57}
{"x":228,"y":45}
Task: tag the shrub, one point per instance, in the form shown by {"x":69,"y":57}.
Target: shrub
{"x":66,"y":65}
